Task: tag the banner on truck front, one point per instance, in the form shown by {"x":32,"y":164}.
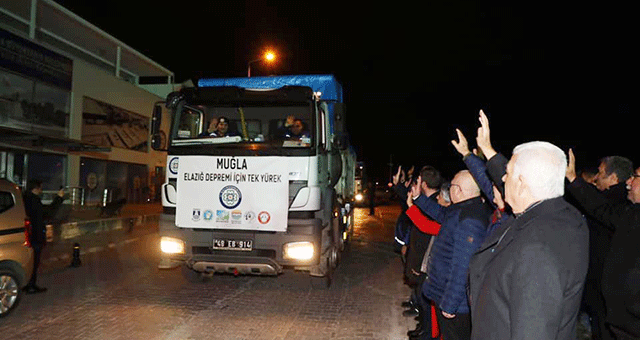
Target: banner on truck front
{"x":250,"y":193}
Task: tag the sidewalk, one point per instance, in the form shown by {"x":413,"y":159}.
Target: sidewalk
{"x":95,"y":233}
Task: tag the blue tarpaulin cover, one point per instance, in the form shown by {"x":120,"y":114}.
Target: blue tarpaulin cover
{"x":326,"y":84}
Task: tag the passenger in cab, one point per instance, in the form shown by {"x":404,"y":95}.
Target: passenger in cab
{"x":295,"y":129}
{"x":213,"y":124}
{"x":221,"y":130}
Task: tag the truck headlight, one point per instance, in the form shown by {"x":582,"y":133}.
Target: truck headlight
{"x":171,"y":245}
{"x":298,"y":250}
{"x":359,"y":197}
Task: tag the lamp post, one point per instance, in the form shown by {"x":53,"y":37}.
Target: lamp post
{"x":268,"y":57}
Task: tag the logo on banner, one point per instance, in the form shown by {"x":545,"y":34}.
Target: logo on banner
{"x":222,"y":216}
{"x":264,"y":217}
{"x":230,"y":197}
{"x":195,"y":215}
{"x":236,"y":216}
{"x":208,"y":215}
{"x":249,"y":216}
{"x":173,"y":165}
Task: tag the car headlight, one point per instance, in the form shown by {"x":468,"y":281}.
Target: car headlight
{"x":171,"y":245}
{"x":298,"y":250}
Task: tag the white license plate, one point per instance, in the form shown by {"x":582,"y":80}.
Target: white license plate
{"x":225,"y":244}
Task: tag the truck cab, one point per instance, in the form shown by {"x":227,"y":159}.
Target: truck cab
{"x":264,"y":187}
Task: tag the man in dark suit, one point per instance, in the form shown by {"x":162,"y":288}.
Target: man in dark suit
{"x":527,"y":278}
{"x":38,"y":213}
{"x":621,"y":275}
{"x":610,"y":180}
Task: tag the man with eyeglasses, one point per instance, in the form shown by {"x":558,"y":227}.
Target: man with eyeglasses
{"x":621,"y":270}
{"x":463,"y":228}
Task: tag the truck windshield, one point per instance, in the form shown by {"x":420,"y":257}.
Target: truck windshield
{"x":286,"y":126}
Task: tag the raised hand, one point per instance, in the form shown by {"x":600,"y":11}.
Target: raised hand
{"x":484,"y":137}
{"x":415,"y":188}
{"x":397,"y":177}
{"x":409,"y":199}
{"x":290,"y":120}
{"x":571,"y":167}
{"x":462,"y":146}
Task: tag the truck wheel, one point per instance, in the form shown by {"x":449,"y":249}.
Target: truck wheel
{"x":323,"y":282}
{"x":10,"y":292}
{"x":191,"y":275}
{"x":341,"y":243}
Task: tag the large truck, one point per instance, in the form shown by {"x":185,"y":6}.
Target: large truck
{"x":259,"y":199}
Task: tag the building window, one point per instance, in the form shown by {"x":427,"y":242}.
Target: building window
{"x":22,"y":167}
{"x":106,"y":125}
{"x":48,"y":168}
{"x":32,"y":105}
{"x":12,"y":167}
{"x":92,"y":179}
{"x":105,"y":182}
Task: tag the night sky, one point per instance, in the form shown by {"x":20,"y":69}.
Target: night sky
{"x":413,"y":73}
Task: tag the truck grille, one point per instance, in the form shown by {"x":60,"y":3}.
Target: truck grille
{"x":270,"y":253}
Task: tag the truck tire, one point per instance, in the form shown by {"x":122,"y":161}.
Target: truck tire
{"x":191,"y":275}
{"x":323,"y":282}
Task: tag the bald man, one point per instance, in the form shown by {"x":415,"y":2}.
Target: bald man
{"x":464,"y":226}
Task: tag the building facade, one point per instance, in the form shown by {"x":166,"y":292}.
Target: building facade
{"x":72,"y":112}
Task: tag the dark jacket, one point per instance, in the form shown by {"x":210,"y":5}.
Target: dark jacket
{"x":415,"y":240}
{"x":463,"y":228}
{"x":527,"y":278}
{"x":39,"y":214}
{"x":600,"y":234}
{"x":621,"y":274}
{"x":478,"y":170}
{"x":403,"y":223}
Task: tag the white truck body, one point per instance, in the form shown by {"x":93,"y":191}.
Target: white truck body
{"x":265,"y":197}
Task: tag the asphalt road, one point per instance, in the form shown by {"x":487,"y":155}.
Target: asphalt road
{"x":118,"y":293}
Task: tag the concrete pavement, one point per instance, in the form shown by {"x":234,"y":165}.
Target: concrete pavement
{"x":118,"y":293}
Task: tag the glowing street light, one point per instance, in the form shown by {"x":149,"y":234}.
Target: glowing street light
{"x":268,"y":57}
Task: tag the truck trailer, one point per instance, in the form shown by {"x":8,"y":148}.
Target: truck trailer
{"x":263,"y":195}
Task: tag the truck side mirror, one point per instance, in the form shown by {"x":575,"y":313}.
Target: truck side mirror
{"x":156,"y":117}
{"x":339,"y":123}
{"x":157,"y":140}
{"x":339,"y":119}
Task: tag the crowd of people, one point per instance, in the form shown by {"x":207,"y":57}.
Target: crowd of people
{"x":520,"y":247}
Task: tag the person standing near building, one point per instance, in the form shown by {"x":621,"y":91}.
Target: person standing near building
{"x":371,"y":191}
{"x":38,"y":213}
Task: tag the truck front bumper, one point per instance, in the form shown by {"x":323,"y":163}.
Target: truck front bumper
{"x":267,"y":256}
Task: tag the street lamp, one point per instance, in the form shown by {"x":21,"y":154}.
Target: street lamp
{"x":268,"y":57}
